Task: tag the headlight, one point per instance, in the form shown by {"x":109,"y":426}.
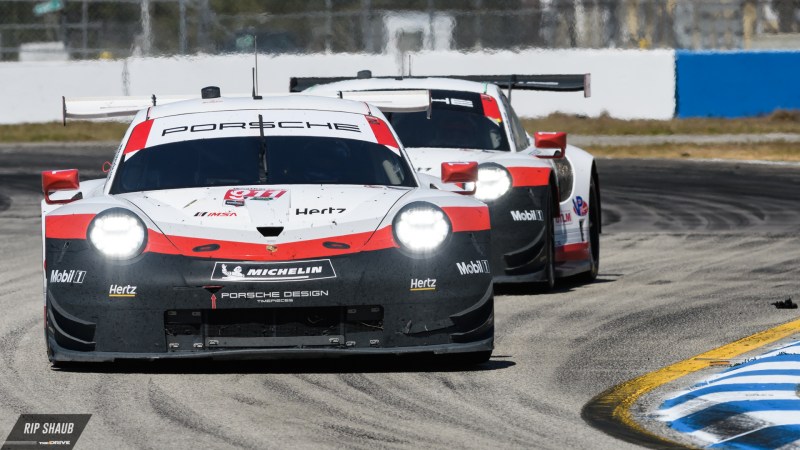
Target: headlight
{"x":118,"y":233}
{"x":421,"y":227}
{"x":493,"y":182}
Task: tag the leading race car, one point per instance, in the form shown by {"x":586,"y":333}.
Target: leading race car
{"x":262,"y":228}
{"x":543,"y":195}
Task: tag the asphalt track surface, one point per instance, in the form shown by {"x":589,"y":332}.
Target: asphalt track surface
{"x":692,"y":256}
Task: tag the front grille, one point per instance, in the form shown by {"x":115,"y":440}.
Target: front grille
{"x":333,"y":326}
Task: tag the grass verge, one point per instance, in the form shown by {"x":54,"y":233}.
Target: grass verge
{"x":777,"y":122}
{"x":773,"y":151}
{"x":78,"y":131}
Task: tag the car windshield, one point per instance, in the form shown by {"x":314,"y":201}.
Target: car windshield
{"x":235,"y":161}
{"x":457,"y":120}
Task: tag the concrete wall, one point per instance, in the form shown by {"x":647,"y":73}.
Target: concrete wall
{"x":736,"y":84}
{"x":625,"y":84}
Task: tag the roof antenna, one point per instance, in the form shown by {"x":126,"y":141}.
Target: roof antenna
{"x":255,"y":69}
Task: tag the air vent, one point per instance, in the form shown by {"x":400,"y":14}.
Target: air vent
{"x":270,"y":231}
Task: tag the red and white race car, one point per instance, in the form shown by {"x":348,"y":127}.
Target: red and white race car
{"x":543,"y":195}
{"x":261,"y":228}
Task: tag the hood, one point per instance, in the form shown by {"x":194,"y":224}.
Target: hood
{"x":266,"y":215}
{"x":429,"y":160}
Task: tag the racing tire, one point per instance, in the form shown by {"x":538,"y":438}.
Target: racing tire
{"x":594,"y":235}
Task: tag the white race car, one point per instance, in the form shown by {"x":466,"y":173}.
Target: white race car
{"x":261,"y":228}
{"x":543,"y":195}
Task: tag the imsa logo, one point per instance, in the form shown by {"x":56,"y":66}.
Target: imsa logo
{"x":473,"y":267}
{"x":67,"y":276}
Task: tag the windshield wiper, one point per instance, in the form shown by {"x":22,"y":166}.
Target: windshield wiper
{"x":262,"y":153}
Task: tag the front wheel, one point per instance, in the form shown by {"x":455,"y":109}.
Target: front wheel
{"x":594,"y":235}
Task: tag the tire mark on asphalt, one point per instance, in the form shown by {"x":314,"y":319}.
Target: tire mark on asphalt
{"x":12,"y":378}
{"x":5,"y":202}
{"x":172,"y":409}
{"x":323,"y":397}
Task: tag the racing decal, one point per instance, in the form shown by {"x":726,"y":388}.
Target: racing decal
{"x":473,"y":267}
{"x":454,"y":101}
{"x":490,"y":108}
{"x":119,"y":291}
{"x":533,"y":215}
{"x":283,"y":124}
{"x":67,"y":276}
{"x":573,"y":252}
{"x":383,"y":134}
{"x":245,"y":123}
{"x":468,"y":218}
{"x":580,"y":206}
{"x":253,"y":193}
{"x":273,"y":296}
{"x":69,"y":226}
{"x":215,"y":214}
{"x":564,"y":218}
{"x":138,"y":138}
{"x":529,"y":176}
{"x":310,"y":212}
{"x":423,"y":284}
{"x":247,"y":272}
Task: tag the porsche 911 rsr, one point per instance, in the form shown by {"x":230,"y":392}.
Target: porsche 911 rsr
{"x":543,"y":195}
{"x":263,"y":228}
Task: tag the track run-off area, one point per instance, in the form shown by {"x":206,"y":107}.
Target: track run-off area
{"x":693,"y":254}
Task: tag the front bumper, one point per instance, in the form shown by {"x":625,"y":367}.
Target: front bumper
{"x":167,"y":306}
{"x":519,"y":252}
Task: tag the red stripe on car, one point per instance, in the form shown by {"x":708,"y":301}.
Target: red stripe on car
{"x":139,"y":135}
{"x":529,"y":176}
{"x":490,"y":108}
{"x":69,"y":226}
{"x":382,"y":132}
{"x":573,"y":252}
{"x":468,"y":218}
{"x":288,"y":251}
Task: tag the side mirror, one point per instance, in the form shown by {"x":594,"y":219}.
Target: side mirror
{"x":547,"y":140}
{"x":60,"y":180}
{"x":461,"y":173}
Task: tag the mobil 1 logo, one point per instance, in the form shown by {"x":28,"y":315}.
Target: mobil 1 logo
{"x":477,"y":266}
{"x":530,"y":215}
{"x":67,"y":276}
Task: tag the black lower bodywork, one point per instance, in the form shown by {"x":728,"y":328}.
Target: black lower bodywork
{"x":159,"y":306}
{"x":519,"y":234}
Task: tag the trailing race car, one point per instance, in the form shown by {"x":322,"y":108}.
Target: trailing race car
{"x":543,"y":195}
{"x":262,"y":228}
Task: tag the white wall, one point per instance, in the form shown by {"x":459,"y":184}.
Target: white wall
{"x":626,"y":84}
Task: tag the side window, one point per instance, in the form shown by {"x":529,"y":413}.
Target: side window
{"x":520,"y":137}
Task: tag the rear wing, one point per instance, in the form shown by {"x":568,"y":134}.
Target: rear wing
{"x":412,"y":100}
{"x":84,"y":108}
{"x":553,"y":83}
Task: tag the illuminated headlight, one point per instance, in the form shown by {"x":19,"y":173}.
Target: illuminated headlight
{"x":493,"y":182}
{"x":118,"y":234}
{"x":421,"y":227}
